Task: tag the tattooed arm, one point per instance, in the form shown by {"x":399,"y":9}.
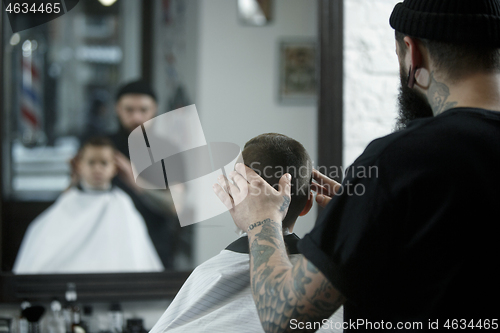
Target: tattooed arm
{"x":283,"y":292}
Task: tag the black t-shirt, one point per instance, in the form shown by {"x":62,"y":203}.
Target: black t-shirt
{"x":161,"y":228}
{"x":412,"y":236}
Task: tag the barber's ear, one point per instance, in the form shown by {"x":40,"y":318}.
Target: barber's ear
{"x":309,"y":203}
{"x":414,"y":52}
{"x":417,"y":61}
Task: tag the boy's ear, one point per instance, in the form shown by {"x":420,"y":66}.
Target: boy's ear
{"x":74,"y":164}
{"x":115,"y":163}
{"x":309,"y":203}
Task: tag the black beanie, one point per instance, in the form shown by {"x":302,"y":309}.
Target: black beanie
{"x":136,"y":87}
{"x":453,"y":21}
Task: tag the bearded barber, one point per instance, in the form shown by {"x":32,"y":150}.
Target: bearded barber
{"x":136,"y":103}
{"x":418,"y":250}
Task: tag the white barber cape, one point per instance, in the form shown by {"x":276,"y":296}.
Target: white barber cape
{"x":217,"y":296}
{"x":88,"y":232}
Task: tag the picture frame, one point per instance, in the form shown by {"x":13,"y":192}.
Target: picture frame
{"x":298,"y":71}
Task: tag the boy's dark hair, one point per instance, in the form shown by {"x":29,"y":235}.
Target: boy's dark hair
{"x":96,"y":141}
{"x":271,"y":155}
{"x":136,"y":87}
{"x":457,"y":60}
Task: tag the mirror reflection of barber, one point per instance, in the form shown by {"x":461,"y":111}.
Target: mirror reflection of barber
{"x":136,"y":103}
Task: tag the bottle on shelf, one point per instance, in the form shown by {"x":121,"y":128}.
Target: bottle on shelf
{"x":55,"y":321}
{"x":68,"y":310}
{"x":76,"y":325}
{"x":23,"y":322}
{"x":89,"y":321}
{"x":116,"y":318}
{"x":135,"y":325}
{"x":33,"y":315}
{"x":67,"y":313}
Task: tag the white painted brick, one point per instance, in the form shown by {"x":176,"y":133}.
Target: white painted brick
{"x":371,"y":74}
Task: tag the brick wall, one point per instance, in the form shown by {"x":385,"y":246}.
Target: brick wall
{"x":371,"y":74}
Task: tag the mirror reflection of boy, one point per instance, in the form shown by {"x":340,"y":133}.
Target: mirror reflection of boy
{"x":95,"y":165}
{"x":93,"y":227}
{"x":217,"y":296}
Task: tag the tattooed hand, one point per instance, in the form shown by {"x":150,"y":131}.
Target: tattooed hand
{"x":282,"y":292}
{"x":250,"y":199}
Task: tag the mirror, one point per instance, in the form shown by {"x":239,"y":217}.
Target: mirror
{"x":235,"y":71}
{"x":60,"y":80}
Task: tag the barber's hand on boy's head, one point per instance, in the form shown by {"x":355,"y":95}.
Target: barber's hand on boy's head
{"x":73,"y":166}
{"x":251,"y":199}
{"x":325,"y":187}
{"x":124,"y":169}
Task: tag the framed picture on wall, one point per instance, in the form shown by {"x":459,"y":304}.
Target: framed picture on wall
{"x":298,"y":67}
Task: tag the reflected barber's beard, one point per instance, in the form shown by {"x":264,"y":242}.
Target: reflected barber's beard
{"x":412,"y":104}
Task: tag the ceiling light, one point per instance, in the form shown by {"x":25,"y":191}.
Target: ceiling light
{"x":107,"y":2}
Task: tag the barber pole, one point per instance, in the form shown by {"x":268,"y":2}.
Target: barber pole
{"x":31,"y":97}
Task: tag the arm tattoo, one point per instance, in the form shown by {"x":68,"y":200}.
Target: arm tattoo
{"x":285,"y":204}
{"x":438,"y":96}
{"x":283,"y":292}
{"x":256,"y":224}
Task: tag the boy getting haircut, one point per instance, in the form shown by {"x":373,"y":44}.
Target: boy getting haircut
{"x":217,"y":296}
{"x":93,"y":227}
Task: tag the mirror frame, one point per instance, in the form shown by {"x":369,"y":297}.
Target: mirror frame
{"x":144,"y":286}
{"x":117,"y":287}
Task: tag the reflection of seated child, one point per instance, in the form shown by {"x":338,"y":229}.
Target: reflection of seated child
{"x":217,"y":296}
{"x":91,"y":228}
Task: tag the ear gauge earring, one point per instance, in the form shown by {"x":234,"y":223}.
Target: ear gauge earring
{"x":411,"y":77}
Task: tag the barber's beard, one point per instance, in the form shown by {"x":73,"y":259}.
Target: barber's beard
{"x":412,"y":104}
